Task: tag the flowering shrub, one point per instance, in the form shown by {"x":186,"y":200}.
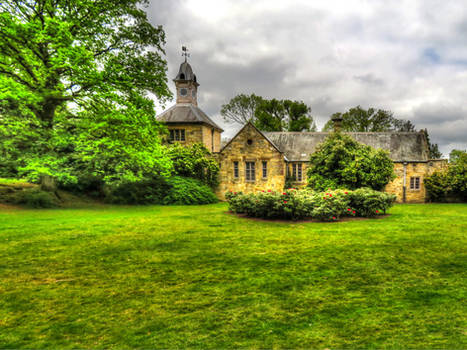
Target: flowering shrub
{"x":370,"y":202}
{"x":293,"y":204}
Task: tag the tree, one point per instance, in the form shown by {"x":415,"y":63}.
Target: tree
{"x":358,"y":119}
{"x":342,"y":162}
{"x":450,"y":183}
{"x":298,"y":116}
{"x":432,"y":147}
{"x":241,"y":109}
{"x":269,"y":115}
{"x":75,"y":76}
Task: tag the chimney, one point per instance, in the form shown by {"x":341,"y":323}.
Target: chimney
{"x":337,"y":122}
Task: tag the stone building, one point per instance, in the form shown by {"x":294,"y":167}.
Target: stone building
{"x":186,"y":122}
{"x":253,"y":160}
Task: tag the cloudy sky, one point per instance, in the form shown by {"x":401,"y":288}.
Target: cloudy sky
{"x":407,"y":56}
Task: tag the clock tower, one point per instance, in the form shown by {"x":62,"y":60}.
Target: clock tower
{"x":186,"y":84}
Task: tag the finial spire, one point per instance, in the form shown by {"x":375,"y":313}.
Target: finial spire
{"x":185,"y":52}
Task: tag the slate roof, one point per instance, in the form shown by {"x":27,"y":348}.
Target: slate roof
{"x":402,"y":146}
{"x":186,"y":113}
{"x":185,"y":72}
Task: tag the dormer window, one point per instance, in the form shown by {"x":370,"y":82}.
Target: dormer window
{"x":182,"y":76}
{"x":194,"y":78}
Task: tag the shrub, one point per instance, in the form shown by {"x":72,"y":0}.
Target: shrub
{"x":368,"y":203}
{"x":195,"y":162}
{"x":188,"y":191}
{"x":149,"y":191}
{"x":449,"y":184}
{"x":295,"y":204}
{"x":34,"y":198}
{"x":342,"y":162}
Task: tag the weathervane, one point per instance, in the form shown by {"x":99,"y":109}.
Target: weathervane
{"x":185,"y":52}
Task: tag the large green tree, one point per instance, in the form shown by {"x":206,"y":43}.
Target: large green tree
{"x":358,"y":119}
{"x":342,"y":162}
{"x":241,"y":108}
{"x":75,"y":79}
{"x":269,"y":115}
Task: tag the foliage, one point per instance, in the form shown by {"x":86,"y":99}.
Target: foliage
{"x":283,"y":115}
{"x":173,"y":277}
{"x":358,"y":119}
{"x":432,"y":147}
{"x":187,"y":191}
{"x":241,"y":109}
{"x":368,"y":202}
{"x":342,"y":162}
{"x":158,"y":190}
{"x":149,"y":191}
{"x":31,"y":197}
{"x":269,"y":115}
{"x":194,"y":161}
{"x":74,"y":84}
{"x":450,"y":183}
{"x":293,"y":204}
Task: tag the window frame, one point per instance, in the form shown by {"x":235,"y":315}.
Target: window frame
{"x":297,"y":172}
{"x":250,"y":171}
{"x":264,"y":169}
{"x":177,"y":135}
{"x":415,"y":183}
{"x":236,"y":169}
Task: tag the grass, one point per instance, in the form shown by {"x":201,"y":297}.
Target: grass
{"x":178,"y":277}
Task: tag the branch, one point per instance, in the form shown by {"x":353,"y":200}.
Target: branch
{"x":17,"y":77}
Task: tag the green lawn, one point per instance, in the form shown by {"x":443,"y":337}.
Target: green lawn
{"x":178,"y":277}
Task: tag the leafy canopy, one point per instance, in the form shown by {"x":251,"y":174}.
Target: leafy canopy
{"x":342,"y":162}
{"x":269,"y":115}
{"x":75,"y":79}
{"x":450,"y":183}
{"x":358,"y":119}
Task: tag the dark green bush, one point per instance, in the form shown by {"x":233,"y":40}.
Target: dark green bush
{"x":34,"y":198}
{"x":195,"y":162}
{"x":188,"y":191}
{"x":342,"y":162}
{"x":367,"y":202}
{"x":295,"y":204}
{"x":449,"y":184}
{"x":150,"y":191}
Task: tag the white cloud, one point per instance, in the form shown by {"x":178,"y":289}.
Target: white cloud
{"x":408,"y":56}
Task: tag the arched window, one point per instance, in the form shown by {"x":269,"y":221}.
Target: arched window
{"x":182,"y":76}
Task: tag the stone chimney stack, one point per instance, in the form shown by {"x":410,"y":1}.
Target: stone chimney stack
{"x":337,"y":122}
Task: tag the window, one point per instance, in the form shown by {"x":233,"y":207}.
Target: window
{"x":265,"y":169}
{"x":235,"y":164}
{"x":250,"y":171}
{"x":297,"y":171}
{"x":415,"y":183}
{"x":177,"y":135}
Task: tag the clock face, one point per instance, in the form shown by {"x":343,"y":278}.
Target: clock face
{"x":183,"y":92}
{"x":193,"y":93}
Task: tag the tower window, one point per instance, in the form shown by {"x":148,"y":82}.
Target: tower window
{"x":177,"y":135}
{"x":235,"y":169}
{"x":182,"y":76}
{"x":297,"y":171}
{"x":250,"y":171}
{"x":265,"y":169}
{"x":415,"y":183}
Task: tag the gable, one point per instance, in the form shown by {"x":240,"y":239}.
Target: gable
{"x":240,"y":142}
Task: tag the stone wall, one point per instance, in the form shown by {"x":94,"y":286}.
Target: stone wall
{"x":210,"y":134}
{"x":412,"y":169}
{"x":250,"y":146}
